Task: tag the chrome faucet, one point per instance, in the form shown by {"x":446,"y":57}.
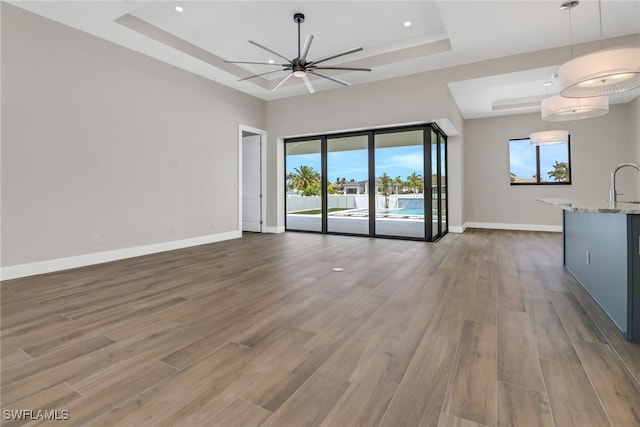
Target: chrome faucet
{"x":613,"y":195}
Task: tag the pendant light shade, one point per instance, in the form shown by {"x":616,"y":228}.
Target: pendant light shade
{"x":558,"y":108}
{"x":549,"y":137}
{"x":600,"y":73}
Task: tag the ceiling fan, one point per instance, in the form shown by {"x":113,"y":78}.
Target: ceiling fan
{"x":299,"y":66}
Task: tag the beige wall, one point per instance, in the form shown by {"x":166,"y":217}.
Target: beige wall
{"x":104,"y":148}
{"x":597,"y":146}
{"x":634,"y":120}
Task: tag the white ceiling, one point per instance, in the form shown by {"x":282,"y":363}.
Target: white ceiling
{"x":443,"y":34}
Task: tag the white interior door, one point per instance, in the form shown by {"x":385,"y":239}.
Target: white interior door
{"x":251,"y":184}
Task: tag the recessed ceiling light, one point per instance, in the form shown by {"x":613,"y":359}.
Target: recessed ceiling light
{"x":547,"y":84}
{"x":407,"y":23}
{"x":179,"y":9}
{"x":271,"y":61}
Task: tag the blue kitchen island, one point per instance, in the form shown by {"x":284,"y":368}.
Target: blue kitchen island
{"x":602,"y":251}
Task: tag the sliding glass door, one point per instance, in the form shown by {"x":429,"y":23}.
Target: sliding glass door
{"x":439,"y":219}
{"x":435,"y":199}
{"x":442,"y":174}
{"x":348,"y":184}
{"x":382,"y":182}
{"x":399,"y":174}
{"x":303,"y":205}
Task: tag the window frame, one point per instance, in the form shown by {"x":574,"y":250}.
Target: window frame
{"x":538,"y":182}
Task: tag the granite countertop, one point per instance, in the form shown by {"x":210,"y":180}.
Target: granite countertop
{"x":622,"y":207}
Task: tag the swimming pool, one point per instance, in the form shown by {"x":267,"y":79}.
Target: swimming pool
{"x":400,"y":211}
{"x":389,"y":213}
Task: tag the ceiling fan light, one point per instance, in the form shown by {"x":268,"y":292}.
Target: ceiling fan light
{"x":549,"y":137}
{"x":599,"y":73}
{"x":558,"y":108}
{"x":299,"y":73}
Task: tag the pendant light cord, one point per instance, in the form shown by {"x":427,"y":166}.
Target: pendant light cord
{"x":570,"y":35}
{"x":601,"y":32}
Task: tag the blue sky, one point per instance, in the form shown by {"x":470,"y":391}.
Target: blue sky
{"x":395,"y":161}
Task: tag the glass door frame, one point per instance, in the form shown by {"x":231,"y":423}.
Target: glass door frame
{"x":426,"y":158}
{"x":440,"y":139}
{"x":427,"y":129}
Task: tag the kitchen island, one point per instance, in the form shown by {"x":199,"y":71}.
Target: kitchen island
{"x":602,"y":251}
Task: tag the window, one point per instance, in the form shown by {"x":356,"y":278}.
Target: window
{"x":539,"y":165}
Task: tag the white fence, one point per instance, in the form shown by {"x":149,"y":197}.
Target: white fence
{"x":302,"y":203}
{"x":348,"y":201}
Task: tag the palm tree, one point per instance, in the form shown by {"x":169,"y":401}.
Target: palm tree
{"x":560,"y":172}
{"x":398,"y":183}
{"x":290,"y":177}
{"x":385,"y":182}
{"x":304,"y":178}
{"x":414,"y":181}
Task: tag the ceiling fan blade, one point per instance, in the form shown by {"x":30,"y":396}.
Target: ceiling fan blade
{"x":340,"y":68}
{"x":259,"y":63}
{"x":305,"y":48}
{"x":335,"y":55}
{"x":335,"y":79}
{"x":282,"y":81}
{"x":269,"y":50}
{"x":261,"y":74}
{"x":308,"y":83}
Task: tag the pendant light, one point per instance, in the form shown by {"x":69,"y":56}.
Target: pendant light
{"x":558,"y":108}
{"x":604,"y":72}
{"x":549,"y":137}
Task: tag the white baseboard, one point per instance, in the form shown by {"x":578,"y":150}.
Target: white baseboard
{"x":48,"y":266}
{"x":519,"y":227}
{"x":278,"y":229}
{"x":456,"y":229}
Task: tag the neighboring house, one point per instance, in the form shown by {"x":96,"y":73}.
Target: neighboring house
{"x":356,"y":187}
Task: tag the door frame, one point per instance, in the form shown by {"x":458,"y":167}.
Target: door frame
{"x":427,"y":128}
{"x":263,"y":174}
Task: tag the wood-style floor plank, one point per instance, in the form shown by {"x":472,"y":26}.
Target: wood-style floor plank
{"x":176,"y":396}
{"x":418,"y":398}
{"x":481,"y":329}
{"x":575,"y":319}
{"x":472,"y":388}
{"x":517,"y":357}
{"x":551,"y":338}
{"x":573,"y":400}
{"x":620,"y":395}
{"x":522,"y":407}
{"x":365,"y":400}
{"x":448,"y":420}
{"x":311,"y":403}
{"x":240,"y":413}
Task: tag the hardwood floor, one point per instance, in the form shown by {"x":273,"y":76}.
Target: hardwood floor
{"x":483,"y":328}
